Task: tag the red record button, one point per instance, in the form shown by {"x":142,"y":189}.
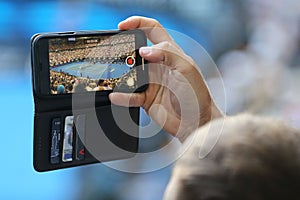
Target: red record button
{"x":130,"y":61}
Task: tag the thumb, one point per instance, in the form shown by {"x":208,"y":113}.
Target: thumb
{"x":127,"y":100}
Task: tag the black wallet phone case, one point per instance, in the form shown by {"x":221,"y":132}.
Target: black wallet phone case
{"x":66,"y":135}
{"x":96,"y":136}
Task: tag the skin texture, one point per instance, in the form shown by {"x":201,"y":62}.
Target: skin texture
{"x":177,"y":98}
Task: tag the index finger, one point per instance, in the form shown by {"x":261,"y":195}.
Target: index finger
{"x":153,"y":29}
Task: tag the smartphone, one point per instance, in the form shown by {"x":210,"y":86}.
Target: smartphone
{"x":88,"y":61}
{"x":70,"y":131}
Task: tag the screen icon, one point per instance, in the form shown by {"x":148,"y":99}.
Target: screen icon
{"x":130,"y":61}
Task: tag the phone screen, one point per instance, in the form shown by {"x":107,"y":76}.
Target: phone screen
{"x":92,"y":63}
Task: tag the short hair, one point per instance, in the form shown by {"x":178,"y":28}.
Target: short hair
{"x":70,"y":87}
{"x":254,"y":158}
{"x":100,"y":82}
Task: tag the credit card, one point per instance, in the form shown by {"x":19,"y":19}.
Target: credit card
{"x":67,"y":152}
{"x":55,"y":140}
{"x":80,"y":137}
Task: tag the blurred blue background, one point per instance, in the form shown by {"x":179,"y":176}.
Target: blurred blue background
{"x":255,"y":44}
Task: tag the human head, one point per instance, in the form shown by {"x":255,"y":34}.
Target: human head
{"x":254,"y":158}
{"x":100,"y":82}
{"x":60,"y":89}
{"x":70,"y":87}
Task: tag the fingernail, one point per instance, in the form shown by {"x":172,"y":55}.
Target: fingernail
{"x":145,"y":50}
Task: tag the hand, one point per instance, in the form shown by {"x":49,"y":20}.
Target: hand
{"x":177,"y":98}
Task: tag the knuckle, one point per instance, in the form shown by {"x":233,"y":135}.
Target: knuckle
{"x":154,"y":22}
{"x":134,"y":99}
{"x":190,"y":60}
{"x":166,"y":45}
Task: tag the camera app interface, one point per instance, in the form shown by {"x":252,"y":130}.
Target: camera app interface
{"x":82,"y":64}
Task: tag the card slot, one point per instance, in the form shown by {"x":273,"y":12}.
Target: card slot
{"x":85,"y":122}
{"x":80,"y":137}
{"x":55,"y":150}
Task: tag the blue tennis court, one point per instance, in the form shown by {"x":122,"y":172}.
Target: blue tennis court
{"x":94,"y":71}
